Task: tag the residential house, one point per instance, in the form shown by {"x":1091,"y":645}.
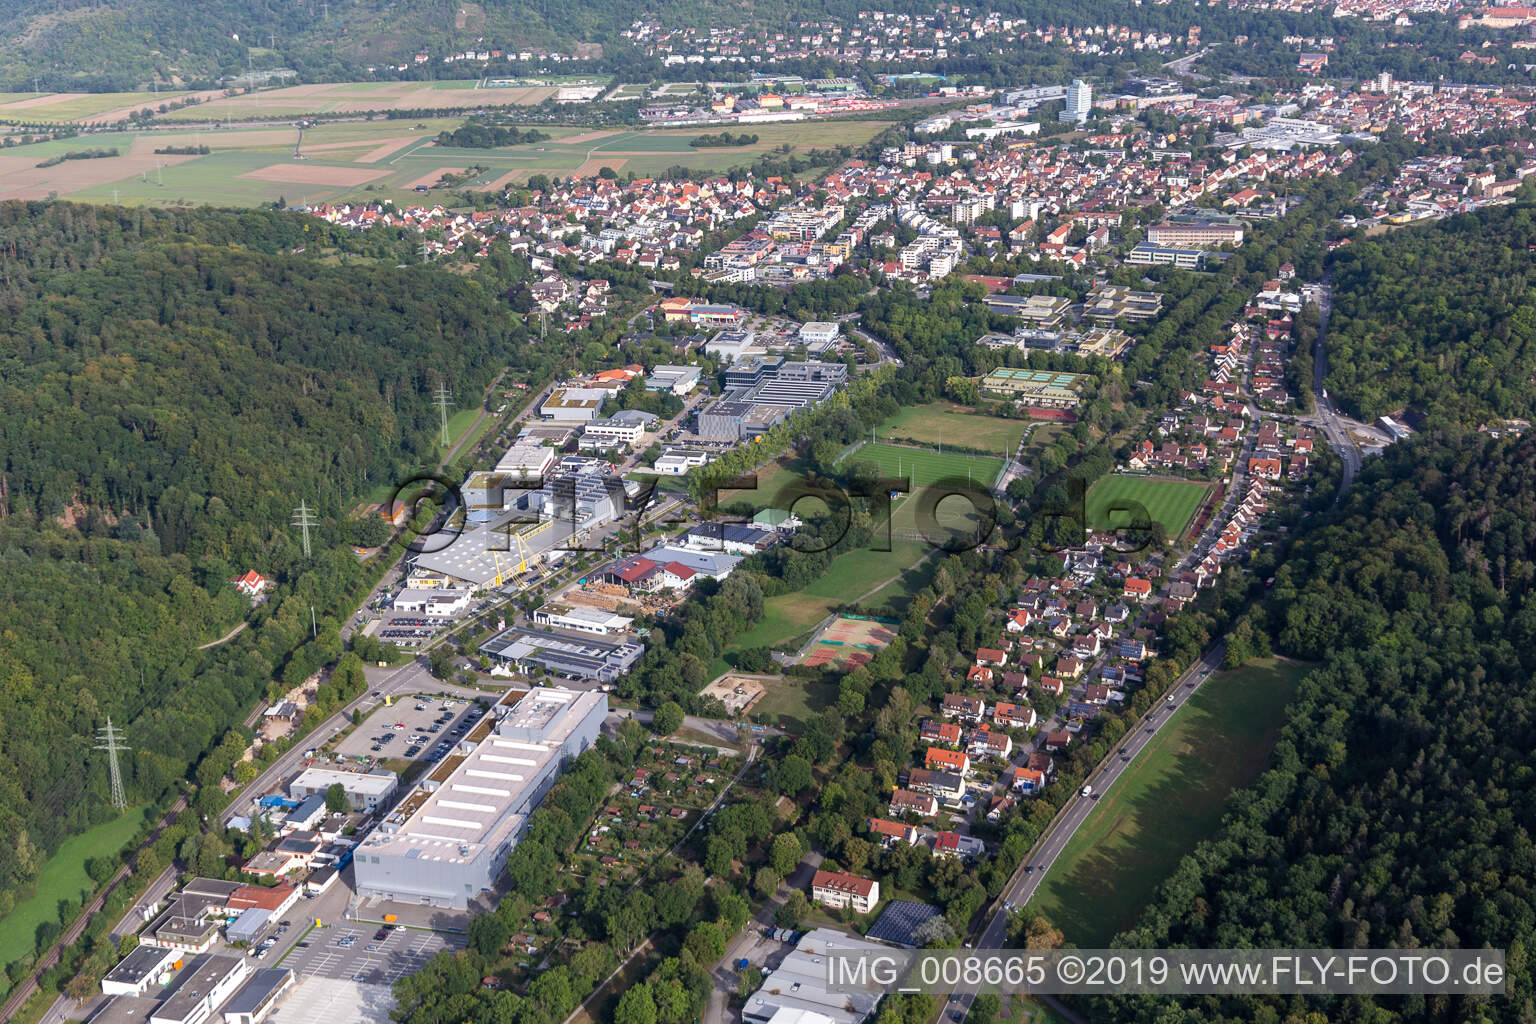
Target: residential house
{"x":941,"y":760}
{"x":1014,"y":716}
{"x":888,"y":833}
{"x":967,"y":709}
{"x":837,"y":890}
{"x":906,"y":801}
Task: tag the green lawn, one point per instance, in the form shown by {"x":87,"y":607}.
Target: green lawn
{"x":458,"y":424}
{"x":64,"y":878}
{"x":1170,"y":502}
{"x":1170,"y":799}
{"x":939,"y":421}
{"x":926,"y":466}
{"x":857,"y":572}
{"x":795,"y":699}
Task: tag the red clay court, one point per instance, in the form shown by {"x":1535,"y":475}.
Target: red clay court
{"x":848,"y":642}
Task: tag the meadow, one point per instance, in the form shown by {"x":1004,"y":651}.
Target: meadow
{"x":1169,"y":800}
{"x":1170,"y":502}
{"x":64,"y":878}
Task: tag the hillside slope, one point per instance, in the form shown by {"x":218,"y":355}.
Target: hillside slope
{"x":167,"y":397}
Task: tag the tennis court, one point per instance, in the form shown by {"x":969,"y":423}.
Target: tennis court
{"x":848,"y":641}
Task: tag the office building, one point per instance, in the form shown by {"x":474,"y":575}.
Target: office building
{"x":614,"y":432}
{"x":1043,"y":312}
{"x":1195,"y":231}
{"x":526,"y":462}
{"x":254,"y":1001}
{"x":677,"y":461}
{"x":139,"y":971}
{"x":818,"y":332}
{"x":1079,"y":102}
{"x":581,"y":620}
{"x":1146,"y":254}
{"x":450,"y":837}
{"x":680,"y":380}
{"x":573,"y":405}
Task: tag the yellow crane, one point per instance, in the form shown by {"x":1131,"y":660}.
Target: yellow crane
{"x":522,"y":560}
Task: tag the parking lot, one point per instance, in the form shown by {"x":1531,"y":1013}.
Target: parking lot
{"x":407,"y":630}
{"x":414,"y":728}
{"x":358,"y":952}
{"x":316,"y":1001}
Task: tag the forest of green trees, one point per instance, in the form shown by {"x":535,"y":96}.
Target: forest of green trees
{"x":167,"y":399}
{"x":1398,"y":808}
{"x":1439,"y":318}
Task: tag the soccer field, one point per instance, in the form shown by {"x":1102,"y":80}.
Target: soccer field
{"x":926,"y":466}
{"x":936,"y":421}
{"x":1170,"y":502}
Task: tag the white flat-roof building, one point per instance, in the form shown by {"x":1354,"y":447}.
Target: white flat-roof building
{"x":582,"y":620}
{"x":365,"y":790}
{"x":436,"y":602}
{"x":574,"y":405}
{"x":139,"y":971}
{"x":611,"y":433}
{"x":680,"y":460}
{"x":526,"y":461}
{"x":200,"y":987}
{"x":677,"y":379}
{"x":818,"y":332}
{"x":450,"y":837}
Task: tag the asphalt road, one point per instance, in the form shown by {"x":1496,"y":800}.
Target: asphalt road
{"x":1027,"y":879}
{"x":1327,"y":415}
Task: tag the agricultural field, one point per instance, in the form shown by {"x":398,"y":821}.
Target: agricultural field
{"x":1169,"y":800}
{"x":1170,"y":502}
{"x":85,"y":107}
{"x":936,"y":421}
{"x":359,"y":97}
{"x":358,"y":161}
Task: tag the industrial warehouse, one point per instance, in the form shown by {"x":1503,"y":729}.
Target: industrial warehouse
{"x":449,"y":838}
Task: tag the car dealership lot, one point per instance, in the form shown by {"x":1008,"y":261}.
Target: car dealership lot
{"x":408,"y":727}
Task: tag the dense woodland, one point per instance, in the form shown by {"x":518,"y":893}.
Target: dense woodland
{"x":1439,"y":318}
{"x":1398,"y":809}
{"x":166,"y":400}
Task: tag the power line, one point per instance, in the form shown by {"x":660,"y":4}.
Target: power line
{"x":109,"y":740}
{"x":304,"y":519}
{"x":442,"y":398}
